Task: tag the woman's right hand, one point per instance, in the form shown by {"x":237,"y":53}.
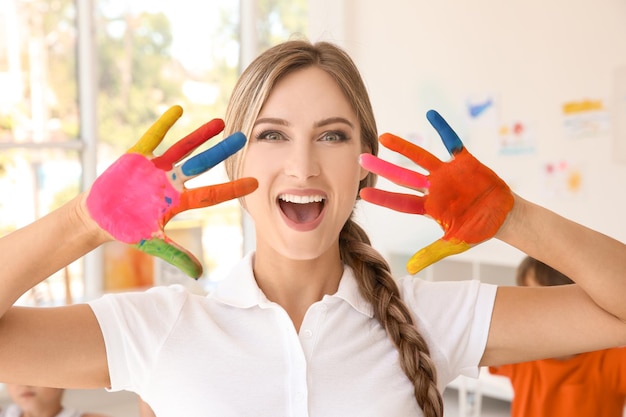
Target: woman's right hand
{"x":139,"y":193}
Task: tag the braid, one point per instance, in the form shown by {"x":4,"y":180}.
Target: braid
{"x":378,"y":287}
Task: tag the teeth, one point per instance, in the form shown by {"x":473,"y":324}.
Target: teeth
{"x":301,"y":199}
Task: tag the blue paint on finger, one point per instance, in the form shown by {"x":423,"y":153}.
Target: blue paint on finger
{"x":213,"y":156}
{"x":449,"y":137}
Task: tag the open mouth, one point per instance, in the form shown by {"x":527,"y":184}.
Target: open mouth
{"x":301,"y":208}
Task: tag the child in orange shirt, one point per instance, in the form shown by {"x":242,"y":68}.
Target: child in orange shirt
{"x":588,"y":384}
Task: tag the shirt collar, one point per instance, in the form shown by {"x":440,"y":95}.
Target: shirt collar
{"x":349,"y":292}
{"x":239,"y":289}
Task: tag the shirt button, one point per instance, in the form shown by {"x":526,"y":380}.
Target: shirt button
{"x":307,"y":333}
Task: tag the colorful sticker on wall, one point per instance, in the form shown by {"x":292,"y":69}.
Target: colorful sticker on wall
{"x":585,"y":118}
{"x":481,"y":110}
{"x":563,"y":179}
{"x":516,"y":138}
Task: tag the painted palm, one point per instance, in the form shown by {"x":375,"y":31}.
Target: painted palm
{"x":467,"y":199}
{"x":139,"y":193}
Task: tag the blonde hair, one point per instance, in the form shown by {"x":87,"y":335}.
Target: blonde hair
{"x":371,"y":270}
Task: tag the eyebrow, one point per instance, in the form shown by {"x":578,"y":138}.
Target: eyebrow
{"x":271,"y":120}
{"x":332,"y":120}
{"x":323,"y":122}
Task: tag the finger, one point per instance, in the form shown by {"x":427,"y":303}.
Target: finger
{"x":416,"y":154}
{"x":405,"y":203}
{"x":394,"y":173}
{"x":212,"y":194}
{"x":188,"y":144}
{"x":433,"y":253}
{"x":449,"y":137}
{"x":173,"y":254}
{"x":155,"y":134}
{"x":213,"y":156}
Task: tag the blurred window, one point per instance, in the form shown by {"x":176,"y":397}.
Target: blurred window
{"x":150,"y":55}
{"x":40,"y":166}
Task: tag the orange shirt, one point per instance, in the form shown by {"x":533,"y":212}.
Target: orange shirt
{"x":589,"y":384}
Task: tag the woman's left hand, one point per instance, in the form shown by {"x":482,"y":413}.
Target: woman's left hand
{"x":468,"y":200}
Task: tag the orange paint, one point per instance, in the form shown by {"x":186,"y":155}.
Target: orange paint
{"x":467,"y":199}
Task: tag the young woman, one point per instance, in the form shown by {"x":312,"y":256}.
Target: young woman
{"x":311,"y":322}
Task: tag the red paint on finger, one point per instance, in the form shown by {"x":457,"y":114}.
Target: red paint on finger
{"x":405,"y":203}
{"x":188,"y":144}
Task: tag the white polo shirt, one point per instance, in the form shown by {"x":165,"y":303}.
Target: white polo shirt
{"x":235,"y":353}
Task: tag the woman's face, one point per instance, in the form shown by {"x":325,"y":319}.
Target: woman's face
{"x":303,"y":150}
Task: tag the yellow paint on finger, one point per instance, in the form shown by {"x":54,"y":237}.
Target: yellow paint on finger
{"x":155,"y":134}
{"x":435,"y":252}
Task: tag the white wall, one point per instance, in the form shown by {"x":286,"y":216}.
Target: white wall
{"x":532,"y":55}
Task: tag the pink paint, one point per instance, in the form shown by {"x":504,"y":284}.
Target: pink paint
{"x":399,"y":175}
{"x":131,"y":198}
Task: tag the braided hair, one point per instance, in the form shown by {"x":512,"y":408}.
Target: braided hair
{"x":371,"y":270}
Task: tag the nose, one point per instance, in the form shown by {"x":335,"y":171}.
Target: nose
{"x":302,"y":161}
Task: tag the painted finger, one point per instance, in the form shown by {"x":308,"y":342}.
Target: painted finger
{"x":405,"y":203}
{"x":173,"y":254}
{"x":394,"y":173}
{"x":213,"y":156}
{"x":433,"y":253}
{"x":416,"y":154}
{"x":155,"y":134}
{"x":188,"y":144}
{"x":449,"y":137}
{"x":211,"y":195}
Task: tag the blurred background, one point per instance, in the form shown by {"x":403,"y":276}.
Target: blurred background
{"x":536,"y":90}
{"x":81,"y":81}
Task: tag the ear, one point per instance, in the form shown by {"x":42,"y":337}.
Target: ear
{"x":364,"y":172}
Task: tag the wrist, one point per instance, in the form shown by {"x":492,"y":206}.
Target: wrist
{"x":511,"y":228}
{"x":81,"y":217}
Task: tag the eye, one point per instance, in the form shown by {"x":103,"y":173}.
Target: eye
{"x":334,"y":136}
{"x":269,"y":135}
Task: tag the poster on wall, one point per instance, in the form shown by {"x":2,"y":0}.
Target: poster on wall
{"x":619,"y":115}
{"x":586,"y":118}
{"x":563,"y":179}
{"x":516,"y":138}
{"x":481,"y":112}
